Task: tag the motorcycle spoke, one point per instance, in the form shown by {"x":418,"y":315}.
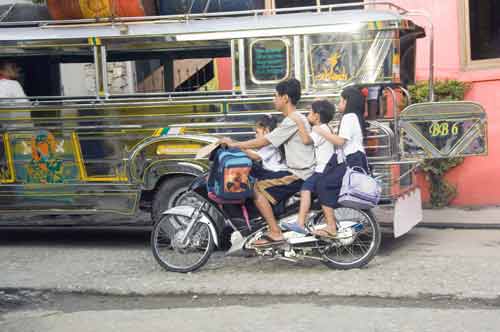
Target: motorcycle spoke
{"x":362,"y":244}
{"x":349,"y":250}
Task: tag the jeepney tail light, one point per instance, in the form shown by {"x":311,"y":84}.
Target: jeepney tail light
{"x":395,"y":67}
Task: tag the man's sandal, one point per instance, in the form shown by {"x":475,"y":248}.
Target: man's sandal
{"x":266,"y":241}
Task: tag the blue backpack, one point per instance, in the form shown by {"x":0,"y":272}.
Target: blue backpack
{"x":229,"y":177}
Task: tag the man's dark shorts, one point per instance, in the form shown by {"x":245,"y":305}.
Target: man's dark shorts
{"x":277,"y":186}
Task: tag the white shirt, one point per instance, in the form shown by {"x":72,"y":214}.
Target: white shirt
{"x":322,"y":149}
{"x":271,"y":159}
{"x":350,"y":130}
{"x":11,"y":89}
{"x":299,"y":156}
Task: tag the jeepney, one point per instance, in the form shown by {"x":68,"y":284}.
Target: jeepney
{"x":116,"y":157}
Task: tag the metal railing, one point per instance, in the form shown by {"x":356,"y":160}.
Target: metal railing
{"x":188,"y":17}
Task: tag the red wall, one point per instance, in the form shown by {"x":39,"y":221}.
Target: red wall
{"x":478,"y":178}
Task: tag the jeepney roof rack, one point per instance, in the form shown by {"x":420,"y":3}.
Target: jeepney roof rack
{"x":190,"y":17}
{"x":193,"y":27}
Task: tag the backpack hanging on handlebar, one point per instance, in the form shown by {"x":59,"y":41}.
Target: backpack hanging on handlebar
{"x":229,"y":177}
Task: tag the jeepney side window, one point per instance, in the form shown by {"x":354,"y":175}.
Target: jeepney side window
{"x":49,"y":69}
{"x":268,"y":61}
{"x":78,"y":79}
{"x":158,"y":64}
{"x":408,"y":55}
{"x":196,"y":74}
{"x":100,"y":155}
{"x":158,"y":76}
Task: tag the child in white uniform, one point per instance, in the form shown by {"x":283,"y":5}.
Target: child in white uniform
{"x":320,"y":115}
{"x":270,"y":156}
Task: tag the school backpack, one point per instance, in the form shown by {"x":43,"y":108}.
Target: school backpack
{"x":359,"y":190}
{"x":229,"y":178}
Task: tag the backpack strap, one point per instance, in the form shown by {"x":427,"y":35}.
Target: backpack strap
{"x":245,"y":215}
{"x":337,"y":151}
{"x":244,"y":209}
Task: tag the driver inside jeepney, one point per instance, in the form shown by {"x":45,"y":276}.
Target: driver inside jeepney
{"x":11,"y":90}
{"x":9,"y":86}
{"x":277,"y":186}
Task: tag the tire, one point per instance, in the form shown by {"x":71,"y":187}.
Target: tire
{"x":161,"y":240}
{"x":168,"y":193}
{"x":370,"y":232}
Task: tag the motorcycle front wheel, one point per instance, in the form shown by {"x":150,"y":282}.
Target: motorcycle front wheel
{"x":172,"y":252}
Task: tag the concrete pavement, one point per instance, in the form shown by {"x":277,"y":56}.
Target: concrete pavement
{"x":82,"y":280}
{"x":427,"y":263}
{"x":279,"y":317}
{"x":486,"y":217}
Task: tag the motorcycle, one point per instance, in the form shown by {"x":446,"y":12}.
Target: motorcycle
{"x":183,"y":239}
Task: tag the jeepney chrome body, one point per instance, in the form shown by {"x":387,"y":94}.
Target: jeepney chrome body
{"x":104,"y":151}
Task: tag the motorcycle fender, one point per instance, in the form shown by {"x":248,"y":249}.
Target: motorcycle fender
{"x":187,"y":211}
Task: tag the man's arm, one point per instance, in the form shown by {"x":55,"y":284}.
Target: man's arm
{"x":279,"y":136}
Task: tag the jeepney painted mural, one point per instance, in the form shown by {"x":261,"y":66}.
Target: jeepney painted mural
{"x":333,"y":68}
{"x":44,"y":158}
{"x":340,"y":59}
{"x":44,"y":166}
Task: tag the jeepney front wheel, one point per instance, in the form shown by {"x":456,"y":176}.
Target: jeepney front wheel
{"x":168,"y":193}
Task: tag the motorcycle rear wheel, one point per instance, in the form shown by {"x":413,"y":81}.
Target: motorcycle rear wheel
{"x":342,"y":253}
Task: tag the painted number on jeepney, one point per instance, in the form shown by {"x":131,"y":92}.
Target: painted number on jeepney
{"x":447,"y":137}
{"x":443,"y":129}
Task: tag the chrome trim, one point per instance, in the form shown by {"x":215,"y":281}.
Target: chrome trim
{"x":401,"y":162}
{"x":395,"y":115}
{"x":104,"y":69}
{"x":118,"y":102}
{"x":307,"y":73}
{"x":407,"y":94}
{"x":242,"y":66}
{"x":132,"y":168}
{"x":233,"y":67}
{"x":296,"y":58}
{"x":97,"y":72}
